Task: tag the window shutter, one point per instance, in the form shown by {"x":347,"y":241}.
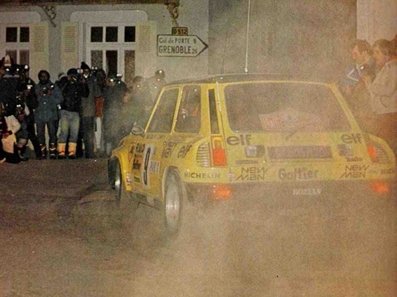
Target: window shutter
{"x":39,"y":50}
{"x":69,"y":46}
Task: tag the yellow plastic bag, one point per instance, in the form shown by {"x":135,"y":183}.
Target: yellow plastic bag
{"x":9,"y":143}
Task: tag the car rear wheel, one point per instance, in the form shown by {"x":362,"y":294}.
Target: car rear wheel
{"x":173,"y":201}
{"x":126,"y":202}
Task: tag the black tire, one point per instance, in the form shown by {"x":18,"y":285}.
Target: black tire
{"x":118,"y":183}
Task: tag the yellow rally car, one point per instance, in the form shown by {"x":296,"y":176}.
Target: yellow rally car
{"x":207,"y":140}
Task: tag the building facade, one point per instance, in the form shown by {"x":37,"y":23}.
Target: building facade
{"x":120,"y":38}
{"x":137,"y":37}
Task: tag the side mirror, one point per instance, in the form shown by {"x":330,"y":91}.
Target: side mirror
{"x":136,"y":129}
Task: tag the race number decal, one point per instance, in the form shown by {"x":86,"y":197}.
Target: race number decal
{"x":147,"y":155}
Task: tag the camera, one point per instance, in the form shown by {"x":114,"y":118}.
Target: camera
{"x":364,"y":67}
{"x":29,"y":84}
{"x":20,"y":106}
{"x":47,"y":90}
{"x":366,"y":70}
{"x":116,"y":79}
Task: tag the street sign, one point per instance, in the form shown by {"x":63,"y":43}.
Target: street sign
{"x":180,"y":31}
{"x":179,"y":46}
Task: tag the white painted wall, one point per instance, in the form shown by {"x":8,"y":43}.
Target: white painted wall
{"x":376,"y":19}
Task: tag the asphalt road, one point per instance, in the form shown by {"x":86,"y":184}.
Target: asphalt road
{"x":61,"y":234}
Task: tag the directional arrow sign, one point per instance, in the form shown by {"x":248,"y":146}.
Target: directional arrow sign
{"x":179,"y":46}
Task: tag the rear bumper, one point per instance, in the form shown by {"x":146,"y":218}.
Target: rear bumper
{"x":255,"y":202}
{"x":322,"y":189}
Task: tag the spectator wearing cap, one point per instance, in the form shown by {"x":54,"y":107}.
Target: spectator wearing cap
{"x":73,"y":90}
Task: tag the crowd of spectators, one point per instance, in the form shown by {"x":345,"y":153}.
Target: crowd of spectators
{"x":370,"y":86}
{"x":83,"y":114}
{"x":60,"y":119}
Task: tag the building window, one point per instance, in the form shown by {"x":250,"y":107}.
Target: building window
{"x":129,"y":34}
{"x":11,"y":34}
{"x":111,"y":34}
{"x":24,"y":57}
{"x":112,"y":62}
{"x":96,"y":58}
{"x":129,"y":65}
{"x":17,"y":34}
{"x":12,"y":54}
{"x":96,"y":34}
{"x":24,"y":35}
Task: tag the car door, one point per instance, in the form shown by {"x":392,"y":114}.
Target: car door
{"x":149,"y":152}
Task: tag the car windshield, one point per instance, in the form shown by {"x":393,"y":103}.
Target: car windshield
{"x":284,"y":107}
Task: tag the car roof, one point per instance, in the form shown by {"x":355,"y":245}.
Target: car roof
{"x":243,"y":77}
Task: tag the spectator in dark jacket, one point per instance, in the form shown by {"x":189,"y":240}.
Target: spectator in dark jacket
{"x":73,"y":89}
{"x":87,"y":120}
{"x":27,"y":91}
{"x":115,"y":97}
{"x":49,"y":98}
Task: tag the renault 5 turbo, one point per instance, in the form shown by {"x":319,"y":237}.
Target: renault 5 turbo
{"x":213,"y":139}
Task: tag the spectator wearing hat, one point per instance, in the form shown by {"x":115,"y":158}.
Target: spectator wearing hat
{"x":73,"y":90}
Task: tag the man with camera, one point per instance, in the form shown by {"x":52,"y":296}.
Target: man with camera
{"x":352,"y":84}
{"x":49,"y":98}
{"x":87,"y":123}
{"x":73,"y":90}
{"x":26,"y":90}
